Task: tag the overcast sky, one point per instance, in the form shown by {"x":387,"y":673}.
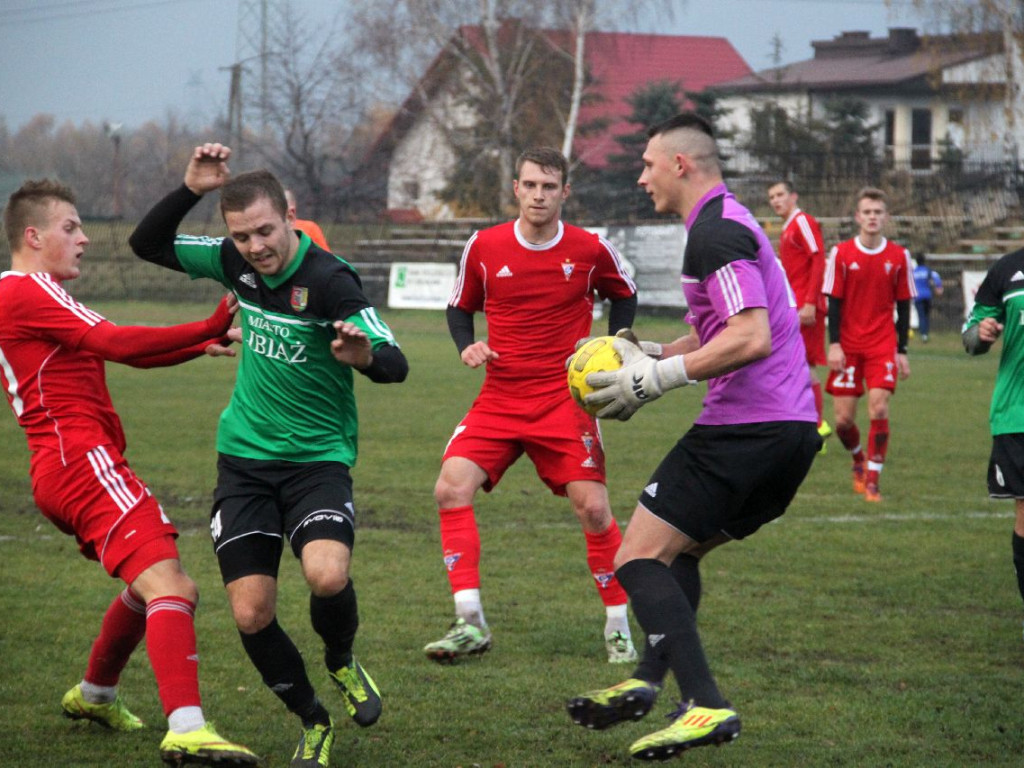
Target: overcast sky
{"x":129,"y":61}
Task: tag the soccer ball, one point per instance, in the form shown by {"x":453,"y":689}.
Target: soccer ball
{"x":596,"y":355}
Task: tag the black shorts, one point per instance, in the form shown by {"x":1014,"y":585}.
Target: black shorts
{"x":731,"y":479}
{"x":1006,"y":467}
{"x":259,"y":504}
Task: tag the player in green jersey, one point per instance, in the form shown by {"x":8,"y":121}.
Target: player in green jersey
{"x":999,"y":312}
{"x":288,"y":436}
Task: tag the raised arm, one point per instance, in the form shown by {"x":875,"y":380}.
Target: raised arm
{"x":153,"y":238}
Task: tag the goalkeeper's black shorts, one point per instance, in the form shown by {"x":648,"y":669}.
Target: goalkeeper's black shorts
{"x":731,"y":479}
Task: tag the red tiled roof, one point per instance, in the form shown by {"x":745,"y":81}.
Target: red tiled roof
{"x":619,"y":64}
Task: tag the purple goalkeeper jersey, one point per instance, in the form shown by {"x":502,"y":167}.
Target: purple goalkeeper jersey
{"x":729,"y":265}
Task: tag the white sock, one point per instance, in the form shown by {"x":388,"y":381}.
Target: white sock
{"x":469,"y":607}
{"x":186,"y":719}
{"x":616,"y":620}
{"x":98,"y":694}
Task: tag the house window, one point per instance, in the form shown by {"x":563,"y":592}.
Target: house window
{"x":890,"y":136}
{"x":921,"y":139}
{"x":412,"y":191}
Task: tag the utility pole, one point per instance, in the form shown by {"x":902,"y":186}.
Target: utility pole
{"x":252,"y":43}
{"x":235,"y":111}
{"x":113,"y":131}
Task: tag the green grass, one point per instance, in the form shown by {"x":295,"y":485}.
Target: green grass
{"x":846,"y":634}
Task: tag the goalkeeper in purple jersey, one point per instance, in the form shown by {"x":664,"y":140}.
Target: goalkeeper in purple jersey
{"x":741,"y":463}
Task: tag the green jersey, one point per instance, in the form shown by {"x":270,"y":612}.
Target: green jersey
{"x":293,"y":401}
{"x":1001,"y":296}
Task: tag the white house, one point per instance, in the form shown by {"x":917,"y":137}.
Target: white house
{"x":922,"y":90}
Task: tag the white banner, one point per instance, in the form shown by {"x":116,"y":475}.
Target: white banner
{"x":414,"y":285}
{"x":971,"y":281}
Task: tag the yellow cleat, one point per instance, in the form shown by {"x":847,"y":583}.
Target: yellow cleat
{"x":113,"y":715}
{"x":203,"y":747}
{"x":693,"y":727}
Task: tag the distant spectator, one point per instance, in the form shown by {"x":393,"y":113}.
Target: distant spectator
{"x":308,"y":226}
{"x":928,"y":284}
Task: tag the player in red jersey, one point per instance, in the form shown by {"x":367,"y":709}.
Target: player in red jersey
{"x":52,"y":352}
{"x":535,"y":279}
{"x":802,"y":253}
{"x":865,"y":279}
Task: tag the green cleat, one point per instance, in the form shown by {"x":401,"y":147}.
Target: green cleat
{"x":692,"y":727}
{"x":620,"y":648}
{"x":203,"y":747}
{"x":462,"y":639}
{"x":314,"y":750}
{"x":629,"y":700}
{"x":362,"y":699}
{"x":113,"y":715}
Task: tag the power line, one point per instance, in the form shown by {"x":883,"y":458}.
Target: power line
{"x":69,"y":10}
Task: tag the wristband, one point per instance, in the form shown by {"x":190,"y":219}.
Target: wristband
{"x":672,"y":373}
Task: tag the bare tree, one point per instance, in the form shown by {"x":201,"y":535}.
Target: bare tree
{"x":487,"y":52}
{"x":315,"y":97}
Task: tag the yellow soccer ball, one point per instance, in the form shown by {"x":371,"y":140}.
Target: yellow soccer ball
{"x":596,"y":355}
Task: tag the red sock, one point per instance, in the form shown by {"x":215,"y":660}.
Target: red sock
{"x":601,"y":549}
{"x":850,"y":438}
{"x":878,"y":440}
{"x":460,"y":542}
{"x":818,"y":400}
{"x":124,"y":625}
{"x":171,"y":644}
{"x":878,"y":445}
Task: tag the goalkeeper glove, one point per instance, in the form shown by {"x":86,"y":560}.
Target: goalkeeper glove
{"x":649,"y":348}
{"x":640,"y":380}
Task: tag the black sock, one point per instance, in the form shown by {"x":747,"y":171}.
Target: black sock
{"x":686,"y":571}
{"x":1018,"y":561}
{"x":662,"y":609}
{"x":280,"y":664}
{"x":336,"y":619}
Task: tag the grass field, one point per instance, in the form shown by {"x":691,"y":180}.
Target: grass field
{"x":845,"y":634}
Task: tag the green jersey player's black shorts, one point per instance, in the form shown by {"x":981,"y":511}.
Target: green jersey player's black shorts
{"x":732,"y":478}
{"x":1006,"y":467}
{"x":258,"y":505}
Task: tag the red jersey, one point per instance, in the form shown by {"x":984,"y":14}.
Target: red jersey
{"x":312,"y":229}
{"x":802,"y":252}
{"x":538,"y":301}
{"x":869,"y":282}
{"x":58,"y":392}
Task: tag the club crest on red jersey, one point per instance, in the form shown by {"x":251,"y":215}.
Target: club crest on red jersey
{"x":300,"y":298}
{"x":567,"y":269}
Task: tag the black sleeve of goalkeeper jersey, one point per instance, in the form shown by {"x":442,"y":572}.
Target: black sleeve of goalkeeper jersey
{"x":389,"y":365}
{"x":835,"y":314}
{"x":153,"y":238}
{"x":902,"y":325}
{"x":621,"y":314}
{"x":460,"y":326}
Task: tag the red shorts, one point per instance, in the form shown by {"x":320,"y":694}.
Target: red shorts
{"x":561,"y":439}
{"x":109,"y":510}
{"x":877,"y":371}
{"x":814,"y":340}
